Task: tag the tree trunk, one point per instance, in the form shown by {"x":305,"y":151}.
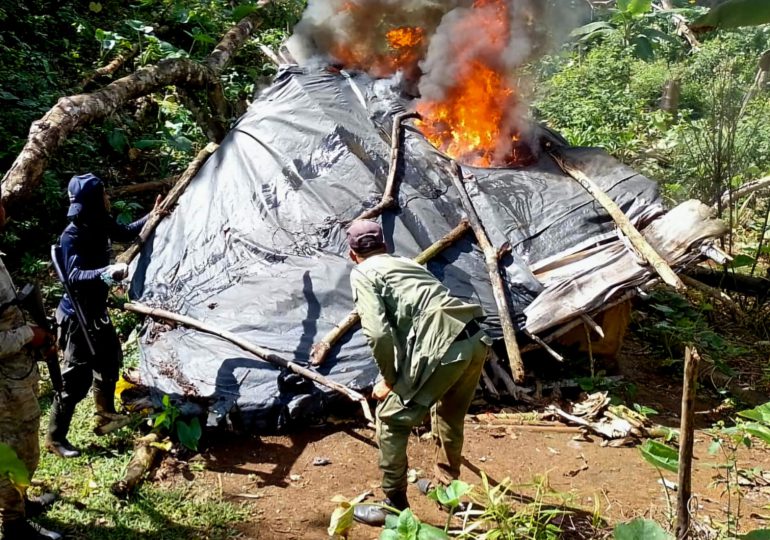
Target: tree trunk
{"x":72,"y":113}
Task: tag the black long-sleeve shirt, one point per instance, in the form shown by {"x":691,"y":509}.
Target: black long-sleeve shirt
{"x":86,"y":252}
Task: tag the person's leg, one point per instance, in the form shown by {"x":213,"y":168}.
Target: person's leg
{"x":76,"y":379}
{"x":448,"y":414}
{"x":19,"y":423}
{"x":394,"y":423}
{"x":107,"y":370}
{"x":19,"y":429}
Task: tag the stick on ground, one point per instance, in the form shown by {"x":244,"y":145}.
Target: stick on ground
{"x":498,"y":289}
{"x":259,"y":352}
{"x":624,"y":224}
{"x":145,"y":453}
{"x":686,"y":433}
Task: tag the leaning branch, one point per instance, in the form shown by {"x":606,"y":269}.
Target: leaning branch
{"x":168,"y":203}
{"x":321,"y":349}
{"x":390,"y":194}
{"x":111,"y":67}
{"x":622,"y":221}
{"x":498,"y":289}
{"x":259,"y":352}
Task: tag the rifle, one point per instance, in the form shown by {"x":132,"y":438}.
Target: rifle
{"x":79,"y":315}
{"x":31,"y":301}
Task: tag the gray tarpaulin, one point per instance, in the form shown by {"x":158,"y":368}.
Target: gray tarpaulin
{"x":257,"y":243}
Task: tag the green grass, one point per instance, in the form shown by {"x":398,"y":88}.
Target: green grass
{"x":88,"y":511}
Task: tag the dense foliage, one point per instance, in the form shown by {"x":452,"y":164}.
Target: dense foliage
{"x":52,"y":49}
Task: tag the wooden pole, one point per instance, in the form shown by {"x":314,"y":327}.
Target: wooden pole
{"x":634,"y":236}
{"x":259,"y":352}
{"x":686,"y":435}
{"x":390,"y":194}
{"x":498,"y":289}
{"x":168,"y":203}
{"x":321,"y":349}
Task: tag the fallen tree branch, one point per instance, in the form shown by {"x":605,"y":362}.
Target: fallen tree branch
{"x":114,"y":65}
{"x":746,"y":189}
{"x":259,"y":352}
{"x":145,"y":453}
{"x":168,"y":203}
{"x":133,"y":189}
{"x":712,"y":292}
{"x":390,"y":194}
{"x":72,"y":113}
{"x":740,"y":283}
{"x":624,"y":224}
{"x":321,"y":349}
{"x":498,"y":289}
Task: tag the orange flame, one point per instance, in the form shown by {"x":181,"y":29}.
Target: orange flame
{"x":474,"y":120}
{"x":405,"y":46}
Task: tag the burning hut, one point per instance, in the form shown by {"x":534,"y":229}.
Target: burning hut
{"x":257,"y":247}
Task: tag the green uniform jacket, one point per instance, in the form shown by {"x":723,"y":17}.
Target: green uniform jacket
{"x":409,"y":318}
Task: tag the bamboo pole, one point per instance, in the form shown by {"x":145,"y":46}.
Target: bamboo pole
{"x":390,"y":194}
{"x":634,"y":236}
{"x":259,"y":352}
{"x":498,"y":289}
{"x":321,"y":349}
{"x":168,"y":203}
{"x":686,"y":434}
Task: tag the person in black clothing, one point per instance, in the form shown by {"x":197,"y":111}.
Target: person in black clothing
{"x":86,"y":252}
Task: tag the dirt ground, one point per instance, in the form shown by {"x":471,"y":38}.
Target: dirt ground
{"x":290,"y":497}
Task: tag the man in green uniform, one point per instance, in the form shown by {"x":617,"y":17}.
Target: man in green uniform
{"x":430,"y":351}
{"x":19,"y":410}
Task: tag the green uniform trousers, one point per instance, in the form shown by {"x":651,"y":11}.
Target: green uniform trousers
{"x":447,"y":394}
{"x":19,"y":426}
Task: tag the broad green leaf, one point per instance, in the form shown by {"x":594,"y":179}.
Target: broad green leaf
{"x":758,"y":414}
{"x":189,"y":434}
{"x":408,"y":525}
{"x":429,"y":532}
{"x":389,"y":534}
{"x":660,"y":455}
{"x":758,"y":430}
{"x":635,"y":8}
{"x":759,"y":534}
{"x":241,"y":11}
{"x":96,"y":7}
{"x":741,"y":261}
{"x":450,"y":495}
{"x":640,"y":529}
{"x":591,"y":28}
{"x":118,"y":140}
{"x":734,"y":14}
{"x":13,"y":468}
{"x":643,"y":47}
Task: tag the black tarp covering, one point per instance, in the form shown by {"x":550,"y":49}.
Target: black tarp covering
{"x":257,"y":244}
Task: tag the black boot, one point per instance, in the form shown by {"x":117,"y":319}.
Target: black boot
{"x":34,"y":506}
{"x":374,"y":515}
{"x":21,"y":529}
{"x":58,"y":426}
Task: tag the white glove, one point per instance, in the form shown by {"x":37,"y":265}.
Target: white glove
{"x":117,"y":271}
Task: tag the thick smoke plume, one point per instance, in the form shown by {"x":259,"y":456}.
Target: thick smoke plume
{"x":464,"y":54}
